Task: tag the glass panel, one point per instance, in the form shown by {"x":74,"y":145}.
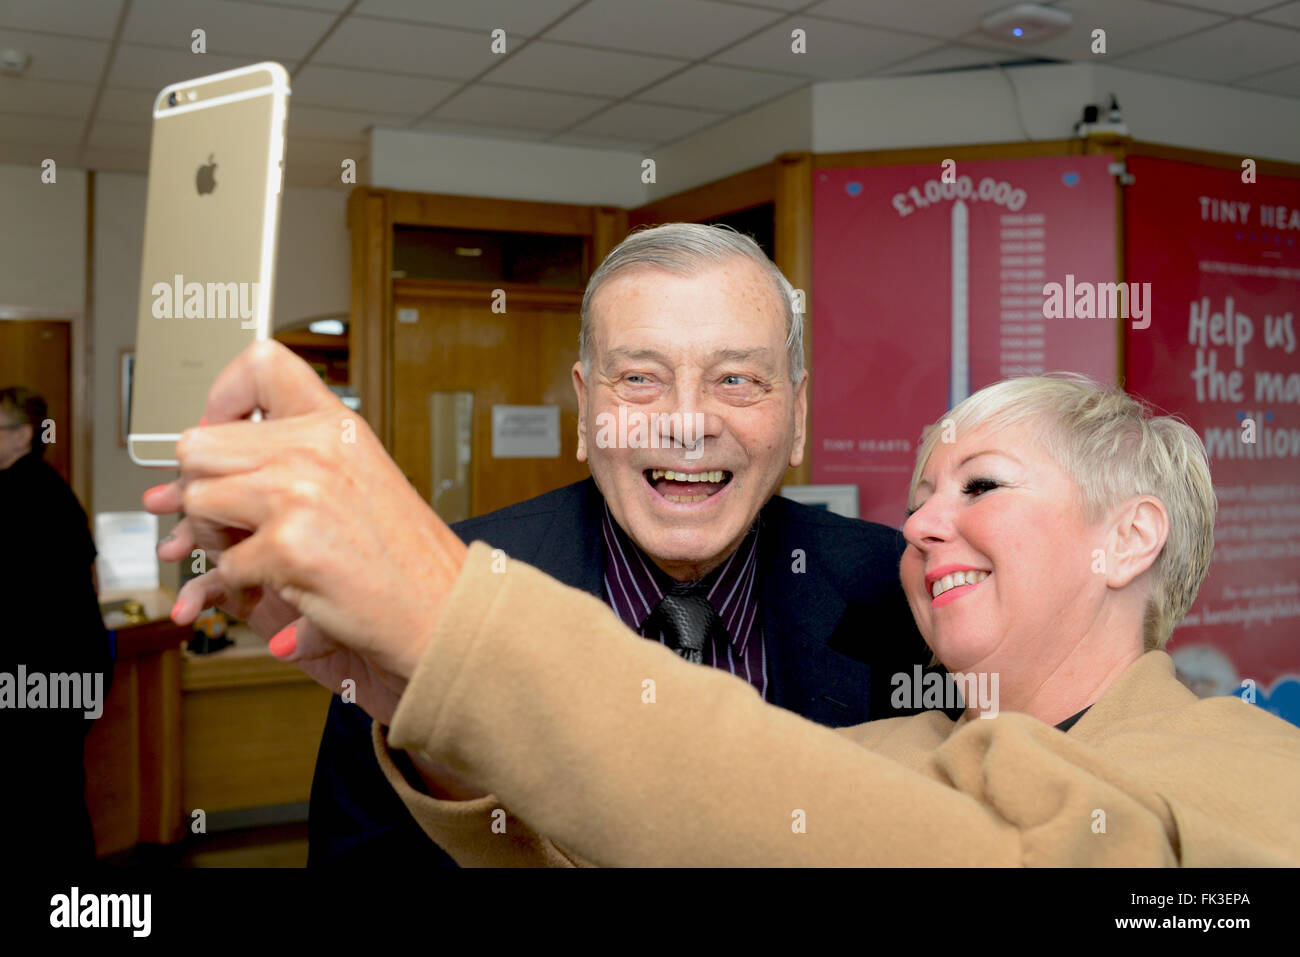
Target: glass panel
{"x":474,"y":256}
{"x":451,"y":421}
{"x":757,"y":222}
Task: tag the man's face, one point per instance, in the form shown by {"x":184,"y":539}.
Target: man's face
{"x":699,"y":359}
{"x":15,"y":440}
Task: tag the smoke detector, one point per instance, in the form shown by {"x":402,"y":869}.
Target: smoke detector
{"x":1026,"y":23}
{"x":13,"y":62}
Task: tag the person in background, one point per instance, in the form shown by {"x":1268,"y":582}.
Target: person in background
{"x":50,"y":624}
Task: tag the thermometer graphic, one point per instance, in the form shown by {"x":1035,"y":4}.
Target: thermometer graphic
{"x":959,"y":376}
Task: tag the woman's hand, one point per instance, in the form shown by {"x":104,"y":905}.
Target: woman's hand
{"x":305,"y":512}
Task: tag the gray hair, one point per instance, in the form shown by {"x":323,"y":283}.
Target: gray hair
{"x":686,"y":249}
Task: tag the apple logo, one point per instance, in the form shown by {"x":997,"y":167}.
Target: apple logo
{"x":206,"y":179}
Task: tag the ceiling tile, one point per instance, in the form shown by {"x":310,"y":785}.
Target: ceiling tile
{"x":127,"y":106}
{"x":373,"y":92}
{"x":1285,"y":81}
{"x":336,"y":6}
{"x":241,"y":29}
{"x":785,"y":5}
{"x":124,"y":137}
{"x":1129,"y":26}
{"x":836,"y":50}
{"x":680,"y":28}
{"x":514,"y":107}
{"x":70,"y":17}
{"x":1288,"y":14}
{"x":946,"y":58}
{"x":406,"y":48}
{"x":724,"y":88}
{"x":317,"y":123}
{"x":517,"y":19}
{"x":152,"y":68}
{"x":58,"y":58}
{"x":559,"y":66}
{"x":939,"y":18}
{"x":45,"y":97}
{"x":644,"y":121}
{"x":40,"y":130}
{"x":1234,"y":7}
{"x":1239,"y":49}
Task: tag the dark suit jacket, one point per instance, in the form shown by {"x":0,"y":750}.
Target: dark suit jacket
{"x":835,"y":624}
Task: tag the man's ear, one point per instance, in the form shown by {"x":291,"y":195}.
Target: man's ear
{"x":580,"y":387}
{"x":800,"y":421}
{"x":1139,"y":532}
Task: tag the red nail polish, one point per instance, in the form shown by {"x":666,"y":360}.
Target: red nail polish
{"x":203,"y":421}
{"x":284,"y":642}
{"x":150,"y":491}
{"x":178,"y":604}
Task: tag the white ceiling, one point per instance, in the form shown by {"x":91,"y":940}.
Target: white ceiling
{"x":617,"y":74}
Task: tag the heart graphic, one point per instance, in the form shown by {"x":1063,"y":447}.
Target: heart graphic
{"x":1283,"y":699}
{"x":1070,"y":179}
{"x":853,"y":188}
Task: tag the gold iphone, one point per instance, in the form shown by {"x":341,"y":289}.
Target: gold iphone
{"x":216,"y":167}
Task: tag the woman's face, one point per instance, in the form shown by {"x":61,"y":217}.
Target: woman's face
{"x":994,"y":503}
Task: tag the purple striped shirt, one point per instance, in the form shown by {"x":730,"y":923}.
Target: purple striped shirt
{"x":634,"y":585}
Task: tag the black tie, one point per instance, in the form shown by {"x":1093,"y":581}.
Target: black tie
{"x":687,"y":620}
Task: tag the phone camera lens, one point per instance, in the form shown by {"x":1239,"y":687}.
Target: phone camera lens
{"x":171,"y":99}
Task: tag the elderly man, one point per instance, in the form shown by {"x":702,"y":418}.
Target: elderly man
{"x":692,"y":402}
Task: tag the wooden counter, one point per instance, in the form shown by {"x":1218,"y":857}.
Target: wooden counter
{"x":251,"y":728}
{"x":232,"y":730}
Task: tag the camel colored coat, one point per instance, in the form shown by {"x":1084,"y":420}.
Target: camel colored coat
{"x":621,"y":753}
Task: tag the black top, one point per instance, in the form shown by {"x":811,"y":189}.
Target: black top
{"x":1072,"y":720}
{"x":49,"y":624}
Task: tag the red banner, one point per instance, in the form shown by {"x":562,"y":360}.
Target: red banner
{"x":1223,"y":259}
{"x":929,"y":285}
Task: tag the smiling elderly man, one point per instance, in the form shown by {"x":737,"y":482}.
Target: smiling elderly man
{"x":688,"y":333}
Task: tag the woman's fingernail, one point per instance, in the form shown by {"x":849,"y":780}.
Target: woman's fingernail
{"x":203,"y":421}
{"x":284,"y":642}
{"x":180,"y":603}
{"x":170,"y":536}
{"x":150,"y":491}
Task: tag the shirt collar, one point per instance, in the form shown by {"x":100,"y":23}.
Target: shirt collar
{"x":634,"y":584}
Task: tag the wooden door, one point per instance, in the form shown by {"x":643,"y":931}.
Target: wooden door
{"x":37,"y":354}
{"x":447,"y":338}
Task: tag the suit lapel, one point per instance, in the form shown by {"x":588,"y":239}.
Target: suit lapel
{"x":573,"y":548}
{"x":801,"y":611}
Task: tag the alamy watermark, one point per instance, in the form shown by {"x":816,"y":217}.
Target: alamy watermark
{"x":1098,"y":300}
{"x":179,"y":299}
{"x":651,"y":430}
{"x":918,"y":691}
{"x":38,"y":690}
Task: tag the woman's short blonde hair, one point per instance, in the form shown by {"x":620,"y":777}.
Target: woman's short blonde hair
{"x":1114,"y":448}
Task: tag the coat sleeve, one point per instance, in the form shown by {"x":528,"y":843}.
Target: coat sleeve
{"x":477,"y":833}
{"x":625,"y":754}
